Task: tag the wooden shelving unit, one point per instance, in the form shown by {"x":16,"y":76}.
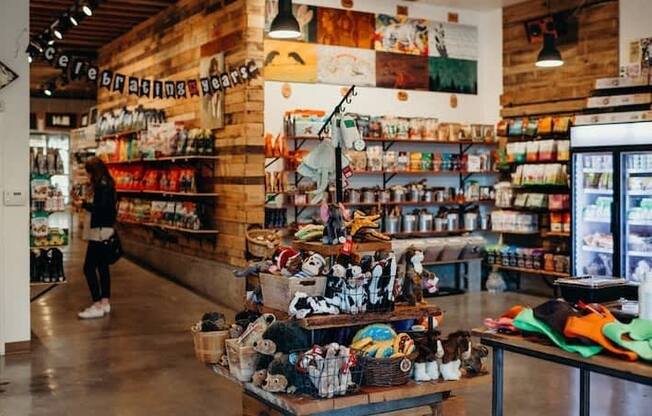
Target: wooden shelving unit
{"x":170,"y":228}
{"x":334,"y":250}
{"x":164,"y":159}
{"x":530,"y":271}
{"x":167,"y":193}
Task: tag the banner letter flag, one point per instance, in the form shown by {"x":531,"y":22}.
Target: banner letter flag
{"x":62,"y":61}
{"x":76,"y":69}
{"x":192,"y":87}
{"x":181,"y":89}
{"x":145,"y":86}
{"x":169,"y":89}
{"x":235,"y":77}
{"x":226,"y":83}
{"x":133,"y":86}
{"x":205,"y":86}
{"x":91,"y":74}
{"x":216,"y":85}
{"x":119,"y":83}
{"x":253,"y":69}
{"x":106,"y":79}
{"x":244,"y":72}
{"x":50,"y":53}
{"x":158,"y":89}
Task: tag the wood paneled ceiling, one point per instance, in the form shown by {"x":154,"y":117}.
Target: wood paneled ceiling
{"x":110,"y":19}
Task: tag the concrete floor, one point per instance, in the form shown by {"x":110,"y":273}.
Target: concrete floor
{"x":140,"y":360}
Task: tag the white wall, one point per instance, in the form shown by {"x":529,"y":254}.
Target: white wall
{"x":481,"y":108}
{"x":635,"y":23}
{"x":14,"y":170}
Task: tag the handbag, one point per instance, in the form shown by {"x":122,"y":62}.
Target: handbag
{"x":113,"y":248}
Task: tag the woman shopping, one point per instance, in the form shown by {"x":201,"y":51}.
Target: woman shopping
{"x":103,"y":215}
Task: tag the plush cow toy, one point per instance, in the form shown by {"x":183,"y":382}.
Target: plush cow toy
{"x":303,"y":305}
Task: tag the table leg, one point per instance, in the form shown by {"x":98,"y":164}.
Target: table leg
{"x":585,"y":392}
{"x":497,"y":382}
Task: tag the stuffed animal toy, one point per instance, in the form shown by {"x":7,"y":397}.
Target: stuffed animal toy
{"x":281,"y":376}
{"x":312,"y":266}
{"x":456,"y":348}
{"x":430,"y":349}
{"x":260,"y":368}
{"x":242,"y":321}
{"x":412,"y":291}
{"x":213,"y":321}
{"x":303,"y":305}
{"x":254,"y":332}
{"x":352,"y":297}
{"x":319,"y":166}
{"x":282,"y":337}
{"x":477,"y":362}
{"x":334,"y":280}
{"x":362,"y":221}
{"x":381,"y":282}
{"x":328,"y":369}
{"x":254,"y":268}
{"x":281,"y":258}
{"x":334,"y":232}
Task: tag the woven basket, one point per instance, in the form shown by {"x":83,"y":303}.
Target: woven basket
{"x":262,"y":242}
{"x":209,"y":346}
{"x":387,"y":372}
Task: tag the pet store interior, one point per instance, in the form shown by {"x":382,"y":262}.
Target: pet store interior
{"x":311,"y":207}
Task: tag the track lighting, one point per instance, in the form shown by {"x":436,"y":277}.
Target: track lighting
{"x":48,"y":89}
{"x":32,"y":51}
{"x":73,"y":20}
{"x":57,"y":30}
{"x":88,"y":7}
{"x":285,"y":25}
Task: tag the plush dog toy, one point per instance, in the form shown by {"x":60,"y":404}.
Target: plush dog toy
{"x":328,"y":369}
{"x":281,"y":376}
{"x":303,"y":305}
{"x":477,"y":362}
{"x":430,"y":349}
{"x":457,"y":347}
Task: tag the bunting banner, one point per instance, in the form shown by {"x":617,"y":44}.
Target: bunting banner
{"x":76,"y":68}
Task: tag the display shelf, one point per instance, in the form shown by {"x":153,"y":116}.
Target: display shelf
{"x":400,"y":313}
{"x":592,"y":170}
{"x":555,"y":234}
{"x":516,"y":232}
{"x":598,"y":249}
{"x":640,"y":253}
{"x":599,"y":191}
{"x":168,"y":193}
{"x":421,"y":234}
{"x":558,"y":187}
{"x":403,"y":203}
{"x":367,"y":400}
{"x":640,"y":223}
{"x":163,"y":159}
{"x":534,"y":209}
{"x":447,"y":262}
{"x":47,"y":247}
{"x":639,"y":171}
{"x":422,"y":172}
{"x":538,"y":162}
{"x":405,"y":141}
{"x":39,"y":213}
{"x":638,"y":193}
{"x":598,"y":220}
{"x":168,"y":227}
{"x":540,"y":272}
{"x":121,"y":134}
{"x":35,"y":284}
{"x":334,"y":250}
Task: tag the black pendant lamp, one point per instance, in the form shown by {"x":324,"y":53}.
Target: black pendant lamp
{"x":285,"y":25}
{"x":549,"y":56}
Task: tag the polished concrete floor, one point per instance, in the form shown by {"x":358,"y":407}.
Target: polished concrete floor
{"x":139,"y":361}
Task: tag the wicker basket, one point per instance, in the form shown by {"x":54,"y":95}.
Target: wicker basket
{"x":386,"y":372}
{"x":262,"y":242}
{"x":209,"y":346}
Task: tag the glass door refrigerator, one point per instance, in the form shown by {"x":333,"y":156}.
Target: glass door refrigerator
{"x":611,"y":175}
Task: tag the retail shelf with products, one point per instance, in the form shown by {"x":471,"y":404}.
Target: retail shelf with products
{"x":537,"y":162}
{"x":333,"y":250}
{"x":602,"y":192}
{"x":170,"y":227}
{"x":430,"y":233}
{"x":172,"y":159}
{"x":640,"y":253}
{"x":598,"y":249}
{"x":168,"y":193}
{"x":447,"y":262}
{"x":36,"y":284}
{"x":547,"y":234}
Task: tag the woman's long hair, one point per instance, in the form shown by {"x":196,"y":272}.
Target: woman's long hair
{"x":99,"y":174}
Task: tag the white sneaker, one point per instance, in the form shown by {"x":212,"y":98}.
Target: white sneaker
{"x":91,"y":313}
{"x":106,"y":308}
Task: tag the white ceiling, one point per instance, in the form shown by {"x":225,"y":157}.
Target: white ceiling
{"x":473,"y":4}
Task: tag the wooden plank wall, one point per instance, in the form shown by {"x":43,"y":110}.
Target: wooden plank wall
{"x":528,"y":90}
{"x":169,"y":46}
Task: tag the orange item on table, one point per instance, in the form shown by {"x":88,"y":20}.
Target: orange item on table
{"x":590,"y":327}
{"x":512,"y":312}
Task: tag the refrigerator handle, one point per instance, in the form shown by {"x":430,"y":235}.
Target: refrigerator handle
{"x":614,"y":217}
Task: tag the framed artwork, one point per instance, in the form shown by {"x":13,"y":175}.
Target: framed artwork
{"x":290,"y":61}
{"x":458,"y":76}
{"x":339,"y":27}
{"x":407,"y":72}
{"x":306,"y":16}
{"x":346,"y":66}
{"x":401,"y":34}
{"x":452,"y":40}
{"x":7,"y":76}
{"x":211,"y":114}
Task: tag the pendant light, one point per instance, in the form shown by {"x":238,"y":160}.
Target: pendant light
{"x":549,"y":56}
{"x":285,"y":25}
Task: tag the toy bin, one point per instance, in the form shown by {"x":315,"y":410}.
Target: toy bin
{"x":278,"y":291}
{"x":242,"y":360}
{"x":209,"y":346}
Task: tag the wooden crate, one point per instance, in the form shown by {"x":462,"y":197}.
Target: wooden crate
{"x":242,"y":360}
{"x":278,"y":291}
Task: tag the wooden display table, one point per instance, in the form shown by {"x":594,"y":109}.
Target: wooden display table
{"x":427,"y":398}
{"x":638,"y":372}
{"x":334,"y":250}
